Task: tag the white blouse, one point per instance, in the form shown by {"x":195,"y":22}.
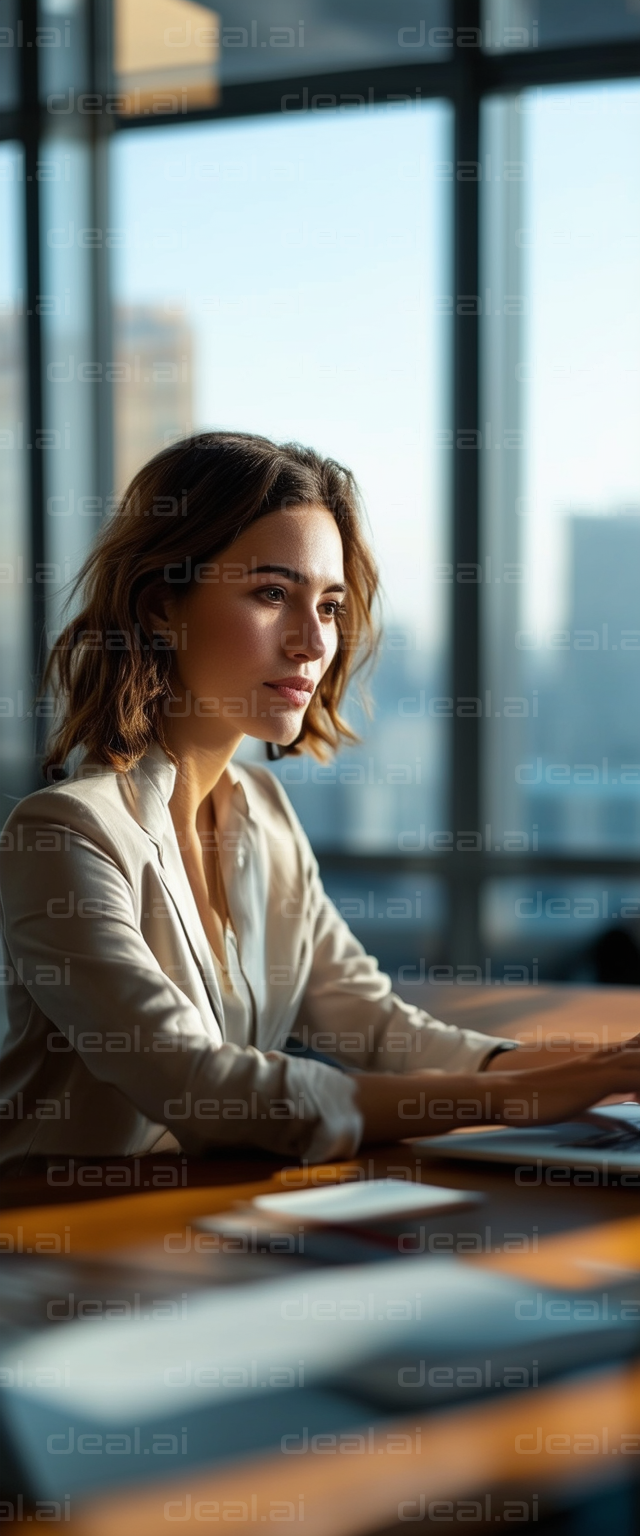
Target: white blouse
{"x":237,"y":1002}
{"x":122,"y":1036}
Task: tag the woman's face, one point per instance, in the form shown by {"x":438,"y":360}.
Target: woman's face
{"x":257,"y":629}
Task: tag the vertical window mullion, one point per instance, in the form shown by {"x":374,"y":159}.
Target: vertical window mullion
{"x":464,"y":942}
{"x":35,"y":479}
{"x":101,"y":128}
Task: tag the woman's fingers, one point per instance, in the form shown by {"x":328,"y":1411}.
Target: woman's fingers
{"x":569,"y":1090}
{"x":431,"y":1103}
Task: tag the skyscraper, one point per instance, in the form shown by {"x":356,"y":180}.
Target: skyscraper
{"x":153,"y":398}
{"x":584,"y":775}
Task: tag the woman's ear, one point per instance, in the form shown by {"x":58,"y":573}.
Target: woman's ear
{"x":154,"y":610}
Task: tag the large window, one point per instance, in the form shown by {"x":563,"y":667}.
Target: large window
{"x":411,"y":241}
{"x":561,"y":334}
{"x":287,"y":278}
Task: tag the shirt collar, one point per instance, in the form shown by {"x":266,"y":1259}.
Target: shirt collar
{"x":151,"y":785}
{"x":148,"y":788}
{"x":243,"y":789}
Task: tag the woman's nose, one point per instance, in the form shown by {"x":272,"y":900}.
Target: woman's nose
{"x":307,"y":639}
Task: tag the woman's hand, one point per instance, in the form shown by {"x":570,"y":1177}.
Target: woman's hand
{"x":431,"y":1103}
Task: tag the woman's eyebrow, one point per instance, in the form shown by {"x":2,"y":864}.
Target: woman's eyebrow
{"x":303,"y":581}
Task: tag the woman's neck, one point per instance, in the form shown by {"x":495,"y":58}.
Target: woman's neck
{"x":199,"y":807}
{"x":201,"y":768}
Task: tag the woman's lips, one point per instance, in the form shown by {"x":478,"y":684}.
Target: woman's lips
{"x":299,"y":697}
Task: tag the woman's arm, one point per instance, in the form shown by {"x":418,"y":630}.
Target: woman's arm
{"x":435,"y":1102}
{"x":549,"y":1053}
{"x":71,"y":912}
{"x":350,"y":1011}
{"x":347,"y":1008}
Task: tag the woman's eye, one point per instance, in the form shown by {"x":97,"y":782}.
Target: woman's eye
{"x":276,"y":595}
{"x":272,"y":594}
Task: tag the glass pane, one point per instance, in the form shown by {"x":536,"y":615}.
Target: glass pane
{"x":300,"y":264}
{"x":165,"y":54}
{"x":511,"y":25}
{"x":303,"y":37}
{"x":582,"y":931}
{"x":153,"y":352}
{"x":72,"y":375}
{"x":63,"y":54}
{"x":561,"y":469}
{"x":398,"y":918}
{"x":9,"y":55}
{"x":16,"y":688}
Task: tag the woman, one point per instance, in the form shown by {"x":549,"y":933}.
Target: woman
{"x":166,"y":928}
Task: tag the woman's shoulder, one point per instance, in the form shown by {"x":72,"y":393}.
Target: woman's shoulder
{"x":90,"y":802}
{"x":52,"y":803}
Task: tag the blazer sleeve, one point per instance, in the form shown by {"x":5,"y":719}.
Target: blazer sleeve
{"x":350,"y":1011}
{"x":132,"y":1025}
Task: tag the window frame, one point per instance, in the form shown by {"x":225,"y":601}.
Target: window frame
{"x":463,"y":80}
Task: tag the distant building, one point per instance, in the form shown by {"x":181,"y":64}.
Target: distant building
{"x":583,"y":778}
{"x":153,"y":400}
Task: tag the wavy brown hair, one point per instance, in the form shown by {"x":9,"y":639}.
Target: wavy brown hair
{"x":186,"y":506}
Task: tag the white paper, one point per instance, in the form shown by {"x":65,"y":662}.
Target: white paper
{"x":366,"y":1201}
{"x":232,"y":1343}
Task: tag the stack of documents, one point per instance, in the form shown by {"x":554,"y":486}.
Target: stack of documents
{"x":354,"y":1222}
{"x":90,"y":1404}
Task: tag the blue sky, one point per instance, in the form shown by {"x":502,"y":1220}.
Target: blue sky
{"x":581,"y":343}
{"x":307,"y":251}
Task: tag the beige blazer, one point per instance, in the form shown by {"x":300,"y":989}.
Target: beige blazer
{"x":117,"y":1039}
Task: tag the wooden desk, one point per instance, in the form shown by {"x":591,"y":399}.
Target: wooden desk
{"x":505,"y":1444}
{"x":456,"y":1462}
{"x":538,"y":1016}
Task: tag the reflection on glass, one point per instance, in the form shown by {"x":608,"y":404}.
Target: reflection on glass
{"x":164,"y":56}
{"x":561,"y":468}
{"x":516,"y":25}
{"x":16,"y":689}
{"x":286,"y":277}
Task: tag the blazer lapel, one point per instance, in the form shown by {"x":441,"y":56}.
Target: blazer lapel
{"x":176,"y":884}
{"x":146,"y":791}
{"x":149,"y":788}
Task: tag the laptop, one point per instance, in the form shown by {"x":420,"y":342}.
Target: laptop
{"x":606,"y":1138}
